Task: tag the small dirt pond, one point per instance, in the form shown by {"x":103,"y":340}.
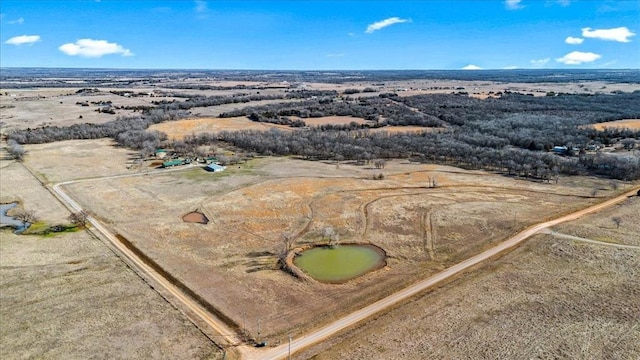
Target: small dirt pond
{"x":341,"y":263}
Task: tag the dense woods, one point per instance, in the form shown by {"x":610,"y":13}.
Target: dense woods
{"x":513,"y":133}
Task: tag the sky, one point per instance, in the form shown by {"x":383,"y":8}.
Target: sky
{"x":321,"y":35}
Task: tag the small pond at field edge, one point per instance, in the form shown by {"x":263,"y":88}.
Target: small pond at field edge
{"x":18,"y":225}
{"x":341,"y":263}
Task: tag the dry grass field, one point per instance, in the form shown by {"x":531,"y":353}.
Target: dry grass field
{"x":181,"y":128}
{"x":626,"y":123}
{"x":230,"y":262}
{"x":68,"y":296}
{"x":410,"y":128}
{"x":552,"y":298}
{"x":332,"y":120}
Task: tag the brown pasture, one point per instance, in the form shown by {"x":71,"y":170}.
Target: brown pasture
{"x":633,"y":124}
{"x":250,"y":211}
{"x":550,"y":298}
{"x":181,"y":128}
{"x":333,"y":120}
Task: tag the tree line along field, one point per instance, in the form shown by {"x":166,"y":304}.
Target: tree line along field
{"x":514,"y":133}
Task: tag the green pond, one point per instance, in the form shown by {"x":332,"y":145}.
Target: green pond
{"x":341,"y":263}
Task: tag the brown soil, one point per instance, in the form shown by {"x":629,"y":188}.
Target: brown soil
{"x":196,"y":217}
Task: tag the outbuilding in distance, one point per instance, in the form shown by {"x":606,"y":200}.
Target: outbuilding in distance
{"x":213,"y":167}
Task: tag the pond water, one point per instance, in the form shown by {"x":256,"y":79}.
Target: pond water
{"x":18,"y":225}
{"x":341,"y":263}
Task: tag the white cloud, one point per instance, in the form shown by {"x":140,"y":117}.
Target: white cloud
{"x":540,"y":62}
{"x":573,"y":40}
{"x":335,"y":55}
{"x":510,"y":67}
{"x":620,"y":34}
{"x":18,"y":21}
{"x":201,"y":6}
{"x":93,"y":48}
{"x":472,"y":67}
{"x":23,"y":39}
{"x":513,"y":4}
{"x":384,"y":23}
{"x":578,"y":57}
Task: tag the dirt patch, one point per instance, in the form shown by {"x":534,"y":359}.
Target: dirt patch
{"x":196,"y":217}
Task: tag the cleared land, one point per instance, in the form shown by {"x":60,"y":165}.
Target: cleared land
{"x":551,"y":298}
{"x":627,"y":123}
{"x":69,"y":296}
{"x":332,"y":120}
{"x":181,"y":128}
{"x":251,"y":207}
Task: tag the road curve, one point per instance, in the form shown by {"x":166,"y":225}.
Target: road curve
{"x":227,"y":334}
{"x":316,"y":336}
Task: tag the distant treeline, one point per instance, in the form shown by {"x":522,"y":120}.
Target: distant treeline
{"x":41,"y":77}
{"x":513,"y":133}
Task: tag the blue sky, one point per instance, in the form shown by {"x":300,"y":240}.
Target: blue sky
{"x":322,"y":35}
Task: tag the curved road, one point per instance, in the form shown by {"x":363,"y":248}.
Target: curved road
{"x":316,"y":336}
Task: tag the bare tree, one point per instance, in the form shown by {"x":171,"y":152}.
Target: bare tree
{"x":26,"y":215}
{"x":16,"y":150}
{"x":379,"y":164}
{"x":328,"y":232}
{"x":617,"y":221}
{"x":334,"y":239}
{"x":433,"y":181}
{"x":283,"y":248}
{"x":79,"y":218}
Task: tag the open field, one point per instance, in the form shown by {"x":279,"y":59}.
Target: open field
{"x":626,"y":123}
{"x":69,"y":296}
{"x":332,"y":120}
{"x":251,"y":208}
{"x":397,"y":129}
{"x":181,"y":128}
{"x":551,"y":298}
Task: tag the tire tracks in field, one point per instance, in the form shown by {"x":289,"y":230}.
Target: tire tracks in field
{"x":381,"y":305}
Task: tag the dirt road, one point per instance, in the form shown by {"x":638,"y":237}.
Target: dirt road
{"x":227,"y":335}
{"x":282,"y":351}
{"x":316,"y":336}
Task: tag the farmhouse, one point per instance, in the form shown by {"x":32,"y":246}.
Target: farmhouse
{"x":214,"y":167}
